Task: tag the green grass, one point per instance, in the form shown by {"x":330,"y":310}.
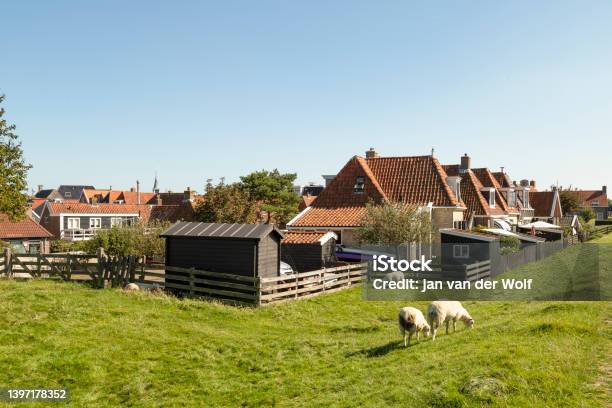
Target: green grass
{"x":605,"y":239}
{"x":112,"y":348}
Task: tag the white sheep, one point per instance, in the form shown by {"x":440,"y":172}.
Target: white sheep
{"x":411,"y":320}
{"x":445,"y":311}
{"x":396,"y":276}
{"x":130,"y":287}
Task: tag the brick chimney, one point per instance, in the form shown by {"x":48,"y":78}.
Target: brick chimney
{"x":466,"y":163}
{"x":371,"y":154}
{"x":604,"y":189}
{"x":187,"y":195}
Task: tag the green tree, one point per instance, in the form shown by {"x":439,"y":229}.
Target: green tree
{"x":13,"y":171}
{"x":569,"y":201}
{"x":509,"y":244}
{"x":227,"y":203}
{"x":587,"y":214}
{"x":141,"y":239}
{"x":273,"y":191}
{"x":394,"y":223}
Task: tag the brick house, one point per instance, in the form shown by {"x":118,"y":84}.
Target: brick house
{"x":595,"y":199}
{"x":419,"y":180}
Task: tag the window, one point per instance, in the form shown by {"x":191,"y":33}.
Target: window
{"x":459,"y":224}
{"x":461,"y":251}
{"x":74,"y":223}
{"x":526,"y":200}
{"x":359,"y":184}
{"x":511,"y":197}
{"x":116,"y":222}
{"x":68,"y":194}
{"x":95,"y":223}
{"x":34,"y":247}
{"x":595,"y":203}
{"x":599,"y":216}
{"x":492,"y":198}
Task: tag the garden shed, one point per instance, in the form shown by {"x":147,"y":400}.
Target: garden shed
{"x":309,"y":250}
{"x":251,"y":250}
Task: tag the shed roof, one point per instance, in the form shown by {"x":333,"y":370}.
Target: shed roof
{"x":215,"y":230}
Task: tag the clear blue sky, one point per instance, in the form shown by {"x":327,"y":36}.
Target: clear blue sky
{"x":108,"y":92}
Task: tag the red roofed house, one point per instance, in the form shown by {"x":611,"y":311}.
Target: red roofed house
{"x":595,"y":199}
{"x":79,"y":221}
{"x":517,"y":193}
{"x":24,"y":236}
{"x":546,"y":206}
{"x":419,"y":180}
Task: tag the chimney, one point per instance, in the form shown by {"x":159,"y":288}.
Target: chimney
{"x":40,"y":187}
{"x":156,"y":191}
{"x":187,"y":195}
{"x":524,"y":183}
{"x":604,"y":189}
{"x":502,"y":169}
{"x":371,"y":154}
{"x":532,"y":184}
{"x":138,"y":192}
{"x":158,"y":199}
{"x":466,"y":163}
{"x":132,"y":189}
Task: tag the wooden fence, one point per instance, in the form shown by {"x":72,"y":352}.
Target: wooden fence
{"x":98,"y":270}
{"x":261,"y":291}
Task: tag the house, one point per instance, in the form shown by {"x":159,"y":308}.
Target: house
{"x":419,"y":180}
{"x":516,"y":193}
{"x":309,"y":250}
{"x":484,"y":201}
{"x":72,"y":192}
{"x":25,"y":236}
{"x":79,"y":221}
{"x":546,"y":206}
{"x":594,"y":199}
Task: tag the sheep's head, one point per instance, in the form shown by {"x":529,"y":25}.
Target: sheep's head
{"x":426,"y":330}
{"x":469,"y":322}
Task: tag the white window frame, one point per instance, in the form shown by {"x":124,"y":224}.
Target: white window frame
{"x":70,"y":223}
{"x":116,"y":222}
{"x":92,"y":223}
{"x":359,"y":185}
{"x":595,"y":203}
{"x":461,"y":251}
{"x":68,"y":194}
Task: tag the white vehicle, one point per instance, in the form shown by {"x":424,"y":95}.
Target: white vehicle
{"x":285,"y":269}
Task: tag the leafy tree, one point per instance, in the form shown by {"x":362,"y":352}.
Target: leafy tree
{"x":394,"y":223}
{"x":569,"y":201}
{"x":273,"y":192}
{"x":13,"y":171}
{"x":227,"y":203}
{"x":587,"y":214}
{"x":141,"y":239}
{"x":509,"y":244}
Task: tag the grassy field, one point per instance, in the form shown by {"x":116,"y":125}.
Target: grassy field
{"x":112,"y":348}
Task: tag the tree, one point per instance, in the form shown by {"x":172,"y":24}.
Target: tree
{"x":141,"y":239}
{"x":569,"y":201}
{"x":394,"y":223}
{"x":273,"y":192}
{"x":227,"y":203}
{"x":587,"y":214}
{"x":13,"y":171}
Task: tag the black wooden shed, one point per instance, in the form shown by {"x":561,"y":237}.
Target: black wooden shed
{"x":309,"y":250}
{"x":251,"y":250}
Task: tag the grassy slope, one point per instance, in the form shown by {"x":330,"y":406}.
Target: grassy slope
{"x":114,"y":348}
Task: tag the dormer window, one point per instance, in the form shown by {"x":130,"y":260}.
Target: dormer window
{"x":359,"y":185}
{"x":489,"y":195}
{"x":511,"y":197}
{"x":454,"y":182}
{"x":595,"y":203}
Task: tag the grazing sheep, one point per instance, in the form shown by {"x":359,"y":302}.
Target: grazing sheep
{"x":445,"y":311}
{"x":131,"y":287}
{"x":411,"y":320}
{"x":396,"y":276}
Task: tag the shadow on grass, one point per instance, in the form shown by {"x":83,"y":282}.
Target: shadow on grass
{"x":380,"y":351}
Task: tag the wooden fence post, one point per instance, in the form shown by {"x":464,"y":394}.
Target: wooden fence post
{"x":296,"y":285}
{"x":191,"y":285}
{"x":257,"y":284}
{"x":8,"y":264}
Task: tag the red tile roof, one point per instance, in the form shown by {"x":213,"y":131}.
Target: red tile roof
{"x":306,"y":201}
{"x":503,"y":179}
{"x":26,"y":228}
{"x":83,"y":208}
{"x":586,"y":197}
{"x":542,"y":203}
{"x":488,"y":180}
{"x":415,"y":180}
{"x":303,"y":237}
{"x":471,"y":193}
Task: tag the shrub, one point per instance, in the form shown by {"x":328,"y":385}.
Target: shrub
{"x":59,"y":245}
{"x":509,"y":245}
{"x":141,"y":240}
{"x":587,"y":214}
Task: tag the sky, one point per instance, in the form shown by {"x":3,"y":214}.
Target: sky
{"x":110,"y":92}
